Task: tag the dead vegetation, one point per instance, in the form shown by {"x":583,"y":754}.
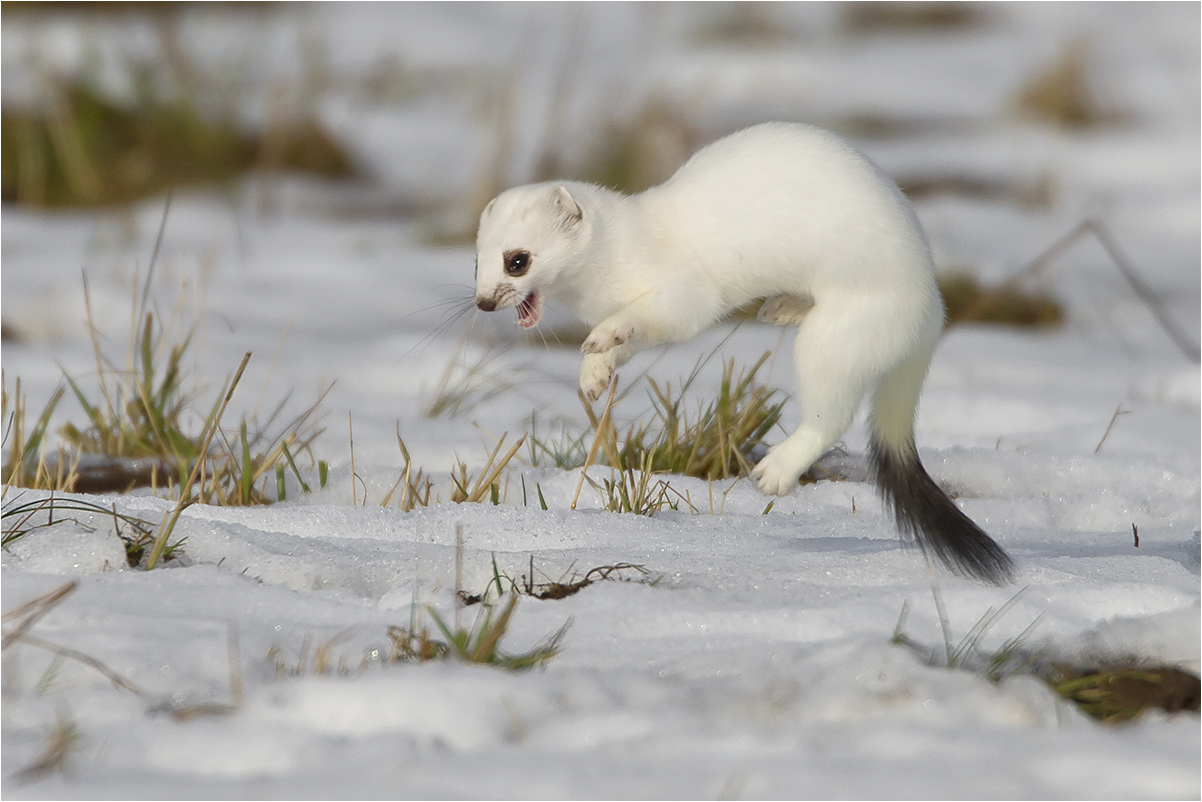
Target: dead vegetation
{"x":1063,"y":94}
{"x":1122,"y":693}
{"x":967,"y":301}
{"x":20,"y":620}
{"x":1028,"y":194}
{"x":630,"y":155}
{"x":1099,"y":232}
{"x":21,"y":518}
{"x":1113,"y":693}
{"x":569,"y":583}
{"x":147,"y":425}
{"x":480,"y":643}
{"x":891,"y":17}
{"x":83,"y":149}
{"x":179,"y":125}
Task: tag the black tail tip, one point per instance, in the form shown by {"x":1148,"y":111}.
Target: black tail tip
{"x":923,"y":511}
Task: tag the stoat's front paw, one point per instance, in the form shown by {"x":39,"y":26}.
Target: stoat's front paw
{"x":606,"y":337}
{"x":776,"y":474}
{"x":596,"y":372}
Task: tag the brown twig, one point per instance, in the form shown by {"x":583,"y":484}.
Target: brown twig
{"x":1142,"y":291}
{"x":35,"y":611}
{"x":1117,"y":411}
{"x":109,"y":674}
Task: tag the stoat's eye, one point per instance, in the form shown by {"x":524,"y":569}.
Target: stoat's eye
{"x":516,"y":263}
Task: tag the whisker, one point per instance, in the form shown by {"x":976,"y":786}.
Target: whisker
{"x":555,"y":337}
{"x":539,"y":330}
{"x":439,"y":304}
{"x":445,"y":325}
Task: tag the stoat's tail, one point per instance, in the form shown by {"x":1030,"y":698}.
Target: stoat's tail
{"x":920,"y":508}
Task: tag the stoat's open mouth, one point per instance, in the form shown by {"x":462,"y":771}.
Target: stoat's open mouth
{"x":530,"y":309}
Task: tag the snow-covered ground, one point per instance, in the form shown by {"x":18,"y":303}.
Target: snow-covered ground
{"x":759,"y":663}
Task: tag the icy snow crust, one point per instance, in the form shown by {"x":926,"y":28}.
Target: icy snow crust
{"x":759,"y":663}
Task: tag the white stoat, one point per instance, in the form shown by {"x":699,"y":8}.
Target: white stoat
{"x":784,"y":212}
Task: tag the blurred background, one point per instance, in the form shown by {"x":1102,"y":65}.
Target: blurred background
{"x":333,"y":157}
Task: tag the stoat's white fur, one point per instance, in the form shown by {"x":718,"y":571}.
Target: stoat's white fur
{"x":784,"y":212}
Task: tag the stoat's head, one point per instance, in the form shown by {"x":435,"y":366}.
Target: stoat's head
{"x":527,"y":238}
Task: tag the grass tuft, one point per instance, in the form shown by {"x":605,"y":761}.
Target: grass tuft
{"x":140,"y":427}
{"x":1112,"y":694}
{"x":714,"y":443}
{"x":79,"y":147}
{"x":467,"y":487}
{"x":25,"y":458}
{"x":62,"y":738}
{"x":967,"y":301}
{"x":565,"y":449}
{"x":415,"y":486}
{"x":1062,"y":94}
{"x":465,"y":385}
{"x":1122,"y":694}
{"x":887,"y":18}
{"x":323,"y":660}
{"x":479,"y":644}
{"x":635,"y":490}
{"x":966,"y":654}
{"x":414,"y":489}
{"x":23,"y":517}
{"x":636,"y":154}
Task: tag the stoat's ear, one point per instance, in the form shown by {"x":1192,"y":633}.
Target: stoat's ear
{"x":565,"y":207}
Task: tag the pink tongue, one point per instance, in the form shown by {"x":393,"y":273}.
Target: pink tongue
{"x":528,"y":311}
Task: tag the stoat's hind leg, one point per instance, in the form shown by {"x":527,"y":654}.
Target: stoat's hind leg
{"x":842,"y":348}
{"x":785,"y":310}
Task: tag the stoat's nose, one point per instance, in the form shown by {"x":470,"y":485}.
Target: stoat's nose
{"x":486,"y":304}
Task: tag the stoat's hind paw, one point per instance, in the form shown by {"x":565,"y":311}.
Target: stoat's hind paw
{"x":777,"y":473}
{"x":784,"y":310}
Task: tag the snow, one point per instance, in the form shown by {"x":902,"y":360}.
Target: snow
{"x":754,"y":659}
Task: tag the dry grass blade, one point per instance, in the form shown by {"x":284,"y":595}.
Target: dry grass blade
{"x":33,"y":611}
{"x":602,"y":428}
{"x":493,"y":468}
{"x":64,"y":735}
{"x":464,"y":386}
{"x":25,"y":463}
{"x":466,"y":490}
{"x":73,"y":654}
{"x":1113,"y":418}
{"x":185,"y":496}
{"x":1180,"y":338}
{"x":415,"y":486}
{"x":234,"y":658}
